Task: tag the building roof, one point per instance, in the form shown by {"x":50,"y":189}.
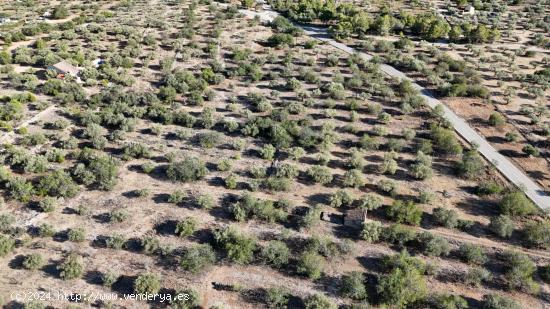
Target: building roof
{"x":65,"y":67}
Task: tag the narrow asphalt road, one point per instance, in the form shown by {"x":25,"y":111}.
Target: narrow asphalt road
{"x":507,"y":168}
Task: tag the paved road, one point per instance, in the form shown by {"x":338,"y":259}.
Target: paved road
{"x":507,"y":168}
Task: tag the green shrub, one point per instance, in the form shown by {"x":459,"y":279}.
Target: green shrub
{"x":188,"y":170}
{"x":371,"y":231}
{"x":147,"y":283}
{"x":108,"y":279}
{"x":77,"y":234}
{"x":57,"y":184}
{"x":267,"y":152}
{"x":312,"y":217}
{"x":537,"y":234}
{"x":472,"y":254}
{"x":96,"y":169}
{"x":310,"y":264}
{"x":177,"y":197}
{"x":370,"y":201}
{"x":7,"y":244}
{"x":118,"y":216}
{"x":516,"y":204}
{"x":275,"y":253}
{"x":496,"y":119}
{"x":404,"y":284}
{"x":353,"y":178}
{"x":319,"y":301}
{"x":276,"y":298}
{"x":231,"y":181}
{"x":502,"y":226}
{"x":476,"y":276}
{"x":353,"y":286}
{"x":115,"y":241}
{"x":531,"y":150}
{"x":320,"y":174}
{"x":186,"y":227}
{"x":48,"y":204}
{"x":398,"y":234}
{"x":71,"y":268}
{"x":472,"y":164}
{"x":405,"y":212}
{"x":46,"y":230}
{"x":238,"y":247}
{"x":341,"y":198}
{"x":197,"y":258}
{"x":205,"y":201}
{"x":33,"y":261}
{"x":433,"y":245}
{"x":488,"y":188}
{"x":445,"y":217}
{"x":150,"y":244}
{"x":448,"y":301}
{"x":494,"y":301}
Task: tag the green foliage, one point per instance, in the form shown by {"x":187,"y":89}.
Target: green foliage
{"x":238,"y":247}
{"x":320,"y":174}
{"x":433,"y":245}
{"x":371,"y":231}
{"x":205,"y":201}
{"x":197,"y":258}
{"x":7,"y":244}
{"x":472,"y":164}
{"x":310,"y":264}
{"x":186,"y":227}
{"x":422,"y":168}
{"x":188,"y":170}
{"x":177,"y":197}
{"x":147,"y":283}
{"x":76,"y":234}
{"x":276,"y":298}
{"x":115,"y":241}
{"x":495,"y":301}
{"x":445,"y":140}
{"x":353,"y":178}
{"x":370,"y":201}
{"x":445,"y":217}
{"x":312,"y":217}
{"x":33,"y":261}
{"x":60,"y":12}
{"x":353,"y":286}
{"x":404,"y":284}
{"x":48,"y":204}
{"x":71,"y":268}
{"x":341,"y":198}
{"x":496,"y":119}
{"x":280,"y":39}
{"x":398,"y":234}
{"x":448,"y":301}
{"x":476,"y":276}
{"x":19,"y":189}
{"x":472,"y":254}
{"x":502,"y":226}
{"x":96,"y":169}
{"x":275,"y":253}
{"x":150,"y":244}
{"x":250,"y":207}
{"x":405,"y":212}
{"x":267,"y":152}
{"x":518,"y":272}
{"x":318,"y":301}
{"x":516,"y":204}
{"x":537,"y":234}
